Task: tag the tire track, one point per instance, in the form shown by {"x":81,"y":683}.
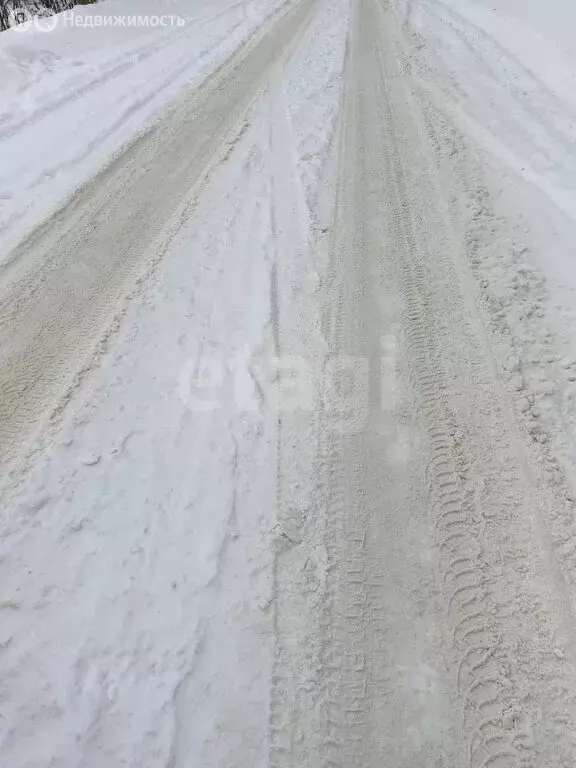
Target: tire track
{"x":490,"y":644}
{"x":373,"y":573}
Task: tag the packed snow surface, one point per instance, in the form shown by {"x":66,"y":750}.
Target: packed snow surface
{"x":288,"y":386}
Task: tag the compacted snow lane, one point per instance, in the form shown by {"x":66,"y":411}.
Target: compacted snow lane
{"x":443,"y":635}
{"x":64,"y":284}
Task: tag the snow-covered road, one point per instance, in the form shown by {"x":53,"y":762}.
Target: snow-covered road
{"x":287,"y":392}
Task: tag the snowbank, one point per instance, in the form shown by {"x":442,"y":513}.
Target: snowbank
{"x":514,"y":68}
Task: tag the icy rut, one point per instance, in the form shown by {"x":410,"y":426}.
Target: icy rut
{"x":442,"y":627}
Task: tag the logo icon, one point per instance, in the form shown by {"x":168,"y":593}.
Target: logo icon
{"x":32,"y":17}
